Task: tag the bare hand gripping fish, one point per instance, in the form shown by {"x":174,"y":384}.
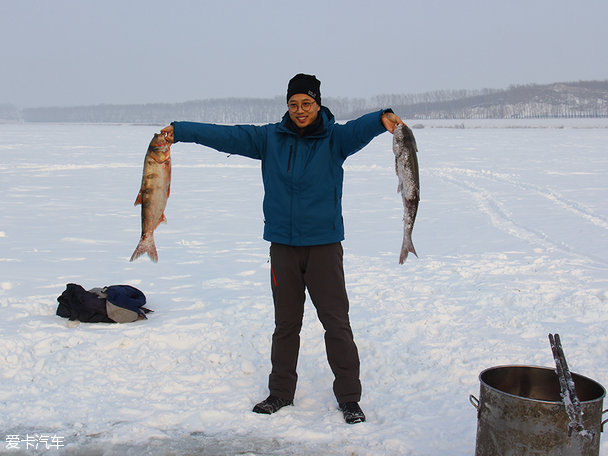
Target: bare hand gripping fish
{"x":153,"y":194}
{"x":406,"y":167}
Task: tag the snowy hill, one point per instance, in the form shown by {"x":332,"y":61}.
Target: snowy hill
{"x":559,"y":100}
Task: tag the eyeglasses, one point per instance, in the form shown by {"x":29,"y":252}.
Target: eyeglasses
{"x":305,"y":105}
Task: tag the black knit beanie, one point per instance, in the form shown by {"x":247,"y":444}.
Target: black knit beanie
{"x":306,"y":84}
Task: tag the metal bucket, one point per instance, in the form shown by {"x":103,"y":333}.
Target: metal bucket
{"x":520,"y":413}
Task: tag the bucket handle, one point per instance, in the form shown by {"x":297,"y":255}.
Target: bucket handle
{"x":475,"y":403}
{"x":604,"y":422}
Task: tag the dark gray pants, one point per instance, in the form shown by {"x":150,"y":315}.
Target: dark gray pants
{"x":320,"y":270}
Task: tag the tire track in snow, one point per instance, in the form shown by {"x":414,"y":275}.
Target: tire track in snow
{"x":501,"y":217}
{"x":570,"y":206}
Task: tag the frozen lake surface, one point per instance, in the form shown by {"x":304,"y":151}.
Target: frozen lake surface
{"x":512,"y":233}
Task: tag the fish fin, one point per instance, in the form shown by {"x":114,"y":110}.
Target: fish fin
{"x":138,"y":200}
{"x":146,"y":245}
{"x":409,"y":246}
{"x":414,"y":251}
{"x":162,"y":219}
{"x":405,"y":249}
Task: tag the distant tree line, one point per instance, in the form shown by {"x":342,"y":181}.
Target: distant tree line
{"x":568,"y":99}
{"x":9,"y":113}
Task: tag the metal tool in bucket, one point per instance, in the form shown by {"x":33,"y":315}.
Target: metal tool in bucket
{"x":522,"y":411}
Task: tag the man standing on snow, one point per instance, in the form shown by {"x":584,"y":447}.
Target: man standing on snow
{"x":302,"y":159}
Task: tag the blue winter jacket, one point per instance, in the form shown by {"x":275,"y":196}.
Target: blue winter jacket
{"x":302,"y":175}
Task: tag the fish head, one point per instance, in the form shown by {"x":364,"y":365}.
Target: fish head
{"x":159,"y":148}
{"x":399,"y":132}
{"x":158,"y":140}
{"x":398,"y":140}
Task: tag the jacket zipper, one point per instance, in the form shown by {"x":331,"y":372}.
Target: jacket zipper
{"x":289,"y":161}
{"x":291,"y":224}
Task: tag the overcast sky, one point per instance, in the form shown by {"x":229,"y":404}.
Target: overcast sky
{"x":80,"y":52}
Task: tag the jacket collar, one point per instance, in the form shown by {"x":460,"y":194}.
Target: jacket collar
{"x":318,"y":129}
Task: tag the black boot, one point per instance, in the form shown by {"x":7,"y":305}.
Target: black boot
{"x":352,"y":412}
{"x":271,"y":404}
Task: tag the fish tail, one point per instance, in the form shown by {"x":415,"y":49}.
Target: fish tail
{"x":412,"y":249}
{"x":403,"y":256}
{"x":146,"y":245}
{"x":406,"y":247}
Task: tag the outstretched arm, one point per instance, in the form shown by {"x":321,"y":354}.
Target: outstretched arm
{"x":245,"y":140}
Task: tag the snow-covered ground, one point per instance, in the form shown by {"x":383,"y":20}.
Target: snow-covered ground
{"x":512,"y":234}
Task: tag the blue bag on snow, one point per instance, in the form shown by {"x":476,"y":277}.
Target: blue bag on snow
{"x":113,"y":304}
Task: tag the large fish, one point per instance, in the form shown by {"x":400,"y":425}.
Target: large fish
{"x":406,"y":167}
{"x":153,"y":194}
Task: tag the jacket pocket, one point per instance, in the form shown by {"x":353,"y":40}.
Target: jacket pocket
{"x":319,"y":213}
